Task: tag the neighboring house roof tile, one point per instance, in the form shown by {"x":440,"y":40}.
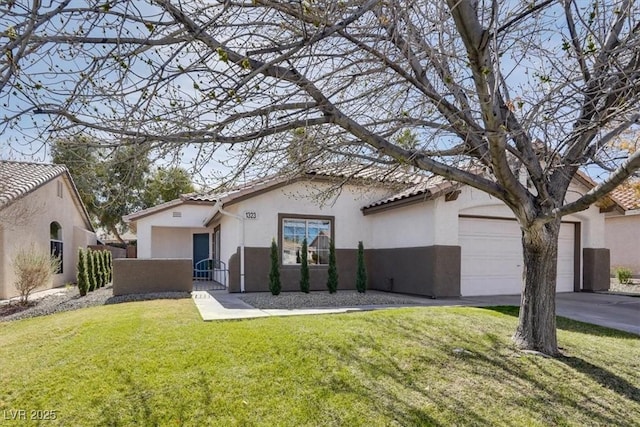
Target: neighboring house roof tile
{"x":627,"y":196}
{"x":20,"y":178}
{"x":17,"y":179}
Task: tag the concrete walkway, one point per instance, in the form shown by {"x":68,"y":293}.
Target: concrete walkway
{"x":613,"y":311}
{"x":221,"y":305}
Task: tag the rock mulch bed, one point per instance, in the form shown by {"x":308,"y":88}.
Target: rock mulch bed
{"x":632,"y":288}
{"x":69,"y":299}
{"x":320,"y":299}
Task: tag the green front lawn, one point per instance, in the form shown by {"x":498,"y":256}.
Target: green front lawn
{"x":158,"y":363}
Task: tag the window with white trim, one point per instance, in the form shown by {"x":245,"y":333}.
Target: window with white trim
{"x":317,"y":231}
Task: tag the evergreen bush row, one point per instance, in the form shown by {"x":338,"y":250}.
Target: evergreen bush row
{"x":94,"y":270}
{"x":275,"y":285}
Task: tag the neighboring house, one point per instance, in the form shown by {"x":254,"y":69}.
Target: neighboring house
{"x":40,"y":205}
{"x":107,"y":238}
{"x":423,"y":236}
{"x":622,"y":229}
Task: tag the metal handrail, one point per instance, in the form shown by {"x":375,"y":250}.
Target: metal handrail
{"x":212,"y":270}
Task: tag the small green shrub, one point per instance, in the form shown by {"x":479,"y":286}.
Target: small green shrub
{"x":274,"y":273}
{"x":304,"y":268}
{"x":82,"y":276}
{"x":91,"y":270}
{"x":361,"y":274}
{"x":332,"y":279}
{"x":107,"y":265}
{"x":96,"y":269}
{"x":623,"y":275}
{"x":103,"y":268}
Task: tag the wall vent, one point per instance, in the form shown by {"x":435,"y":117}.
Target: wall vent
{"x":177,"y":214}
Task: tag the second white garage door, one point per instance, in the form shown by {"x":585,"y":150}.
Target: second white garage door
{"x":492,"y":257}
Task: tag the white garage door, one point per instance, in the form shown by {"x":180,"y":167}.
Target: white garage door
{"x":492,"y":257}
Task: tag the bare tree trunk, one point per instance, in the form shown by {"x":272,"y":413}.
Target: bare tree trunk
{"x":537,"y":322}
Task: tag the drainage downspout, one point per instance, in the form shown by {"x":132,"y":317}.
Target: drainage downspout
{"x":218,"y":207}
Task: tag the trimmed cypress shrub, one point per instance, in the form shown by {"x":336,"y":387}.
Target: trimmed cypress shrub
{"x":82,"y":276}
{"x":102,"y":273}
{"x":96,"y":266}
{"x":304,"y":268}
{"x":274,"y":272}
{"x":110,"y":266}
{"x":361,"y":274}
{"x":332,"y":279}
{"x":105,"y":268}
{"x":91,"y":271}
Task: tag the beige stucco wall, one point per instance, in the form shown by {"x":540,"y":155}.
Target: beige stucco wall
{"x":174,"y":242}
{"x":623,"y":239}
{"x":300,"y":198}
{"x":163,"y":235}
{"x":31,"y":219}
{"x":167,"y":235}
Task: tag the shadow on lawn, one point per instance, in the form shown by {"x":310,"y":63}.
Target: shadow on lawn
{"x":602,"y":376}
{"x":605,"y":378}
{"x":411,"y":387}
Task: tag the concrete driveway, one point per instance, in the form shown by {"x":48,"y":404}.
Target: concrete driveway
{"x":613,"y":311}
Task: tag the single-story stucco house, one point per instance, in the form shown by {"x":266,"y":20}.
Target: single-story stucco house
{"x":421,"y":235}
{"x":40,"y":205}
{"x":622,"y":229}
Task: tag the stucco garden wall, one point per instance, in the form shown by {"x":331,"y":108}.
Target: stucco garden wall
{"x":141,"y":276}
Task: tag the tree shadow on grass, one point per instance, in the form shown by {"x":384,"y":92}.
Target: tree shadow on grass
{"x":604,"y":377}
{"x":392,"y":384}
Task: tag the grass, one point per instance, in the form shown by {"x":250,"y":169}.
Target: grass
{"x":157,"y":363}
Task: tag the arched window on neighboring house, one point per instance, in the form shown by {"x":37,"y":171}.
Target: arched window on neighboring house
{"x":55,"y":231}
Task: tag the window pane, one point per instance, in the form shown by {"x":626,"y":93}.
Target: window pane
{"x":56,"y":252}
{"x":293,"y":232}
{"x":316,"y":231}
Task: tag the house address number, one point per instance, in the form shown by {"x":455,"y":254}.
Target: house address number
{"x":250,"y":215}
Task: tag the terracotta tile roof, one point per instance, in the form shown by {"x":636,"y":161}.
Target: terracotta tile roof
{"x":395,"y":177}
{"x":20,"y":178}
{"x":627,"y":196}
{"x":429,"y":187}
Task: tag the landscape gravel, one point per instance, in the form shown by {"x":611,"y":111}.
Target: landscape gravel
{"x":631,"y":289}
{"x":69,"y":299}
{"x":320,"y":299}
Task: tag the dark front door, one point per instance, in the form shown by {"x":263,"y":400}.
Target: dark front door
{"x":200,"y":252}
